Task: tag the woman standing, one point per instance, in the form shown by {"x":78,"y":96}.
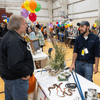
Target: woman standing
{"x":39,"y":35}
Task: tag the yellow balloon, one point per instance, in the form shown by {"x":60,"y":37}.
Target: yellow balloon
{"x":5,"y":20}
{"x":32,"y":11}
{"x":95,"y":24}
{"x":26,"y":4}
{"x":68,"y":25}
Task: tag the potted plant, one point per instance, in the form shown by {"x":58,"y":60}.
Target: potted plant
{"x":57,"y":61}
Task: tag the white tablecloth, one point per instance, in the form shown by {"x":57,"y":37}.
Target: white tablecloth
{"x":40,"y":56}
{"x":45,"y":81}
{"x":71,"y":37}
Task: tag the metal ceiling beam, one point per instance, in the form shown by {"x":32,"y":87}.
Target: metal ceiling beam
{"x":99,"y":10}
{"x":50,"y":4}
{"x":76,"y":2}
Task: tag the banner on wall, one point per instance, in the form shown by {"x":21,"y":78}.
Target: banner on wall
{"x":4,"y":16}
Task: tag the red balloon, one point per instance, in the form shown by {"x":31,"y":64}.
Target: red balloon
{"x":56,"y":22}
{"x":32,"y":17}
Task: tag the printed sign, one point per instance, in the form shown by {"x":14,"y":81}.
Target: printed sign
{"x":4,"y":16}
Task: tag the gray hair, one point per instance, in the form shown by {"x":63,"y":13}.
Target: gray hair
{"x":15,"y":22}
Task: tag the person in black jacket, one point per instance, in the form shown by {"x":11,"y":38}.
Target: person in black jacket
{"x":0,"y":56}
{"x":1,"y":29}
{"x":16,"y":60}
{"x":4,"y":30}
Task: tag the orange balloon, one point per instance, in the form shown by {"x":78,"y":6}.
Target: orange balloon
{"x":22,"y":6}
{"x":51,"y":29}
{"x":37,"y":22}
{"x":32,"y":5}
{"x":65,"y":26}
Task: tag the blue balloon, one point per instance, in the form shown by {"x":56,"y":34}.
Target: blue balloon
{"x":67,"y":22}
{"x":58,"y":22}
{"x":7,"y":20}
{"x":62,"y":24}
{"x":58,"y":25}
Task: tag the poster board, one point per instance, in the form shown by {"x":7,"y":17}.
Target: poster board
{"x":35,"y":45}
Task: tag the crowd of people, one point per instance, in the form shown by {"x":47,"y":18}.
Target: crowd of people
{"x":71,"y":31}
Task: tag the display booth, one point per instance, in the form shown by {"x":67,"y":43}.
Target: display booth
{"x":45,"y":81}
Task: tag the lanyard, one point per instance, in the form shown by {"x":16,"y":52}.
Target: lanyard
{"x":85,"y":41}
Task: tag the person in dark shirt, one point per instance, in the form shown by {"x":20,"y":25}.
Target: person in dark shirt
{"x":16,"y":60}
{"x":1,"y":29}
{"x":62,"y":29}
{"x":4,"y":30}
{"x":0,"y":56}
{"x":86,"y":52}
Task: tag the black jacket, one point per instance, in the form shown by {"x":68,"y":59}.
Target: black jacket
{"x":1,"y":30}
{"x":4,"y":30}
{"x":0,"y":56}
{"x":16,"y":59}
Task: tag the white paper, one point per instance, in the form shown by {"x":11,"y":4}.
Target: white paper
{"x":86,"y":51}
{"x":45,"y":79}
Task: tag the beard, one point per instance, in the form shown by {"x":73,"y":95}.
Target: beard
{"x":84,"y":31}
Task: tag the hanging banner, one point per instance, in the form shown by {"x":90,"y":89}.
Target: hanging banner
{"x":4,"y":16}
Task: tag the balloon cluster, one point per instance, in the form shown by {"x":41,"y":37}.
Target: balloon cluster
{"x":50,"y":26}
{"x":67,"y":24}
{"x":95,"y":25}
{"x":42,"y":25}
{"x":58,"y":24}
{"x":32,"y":7}
{"x":6,"y":20}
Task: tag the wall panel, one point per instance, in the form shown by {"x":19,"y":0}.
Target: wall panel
{"x":86,"y":8}
{"x":83,"y":6}
{"x":56,"y":12}
{"x":56,"y":4}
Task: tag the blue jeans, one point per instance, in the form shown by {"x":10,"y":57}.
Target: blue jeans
{"x":16,"y":89}
{"x":84,"y":69}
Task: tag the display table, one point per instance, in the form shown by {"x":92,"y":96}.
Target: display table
{"x":45,"y":81}
{"x":61,"y":36}
{"x":71,"y":37}
{"x":37,"y":57}
{"x":40,"y":56}
{"x":70,"y":40}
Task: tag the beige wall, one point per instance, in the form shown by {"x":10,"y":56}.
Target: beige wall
{"x":90,"y":20}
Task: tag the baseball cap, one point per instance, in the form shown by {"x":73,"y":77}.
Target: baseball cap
{"x":83,"y":23}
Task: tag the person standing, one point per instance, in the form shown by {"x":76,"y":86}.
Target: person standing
{"x":31,"y":33}
{"x":40,"y":36}
{"x":86,"y":52}
{"x":16,"y":60}
{"x":1,"y":29}
{"x":45,"y":32}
